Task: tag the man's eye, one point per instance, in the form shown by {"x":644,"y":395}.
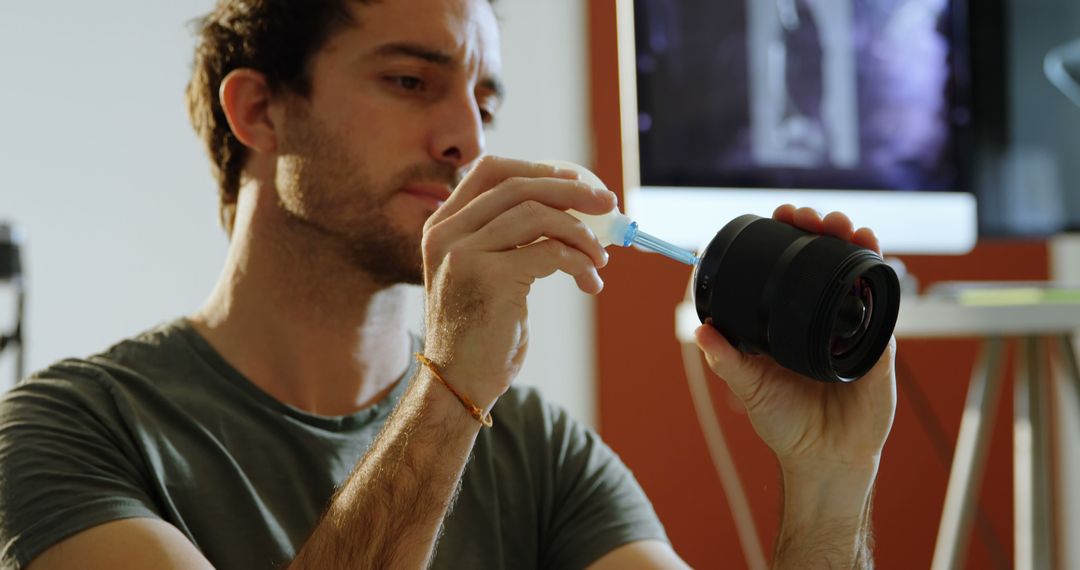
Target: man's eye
{"x":487,"y":117}
{"x":408,"y":83}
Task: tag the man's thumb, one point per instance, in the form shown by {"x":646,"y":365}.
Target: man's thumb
{"x":725,"y":360}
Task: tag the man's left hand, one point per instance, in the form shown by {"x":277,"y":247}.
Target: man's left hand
{"x":804,"y":421}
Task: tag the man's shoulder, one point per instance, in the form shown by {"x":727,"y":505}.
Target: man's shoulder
{"x":137,"y":357}
{"x":156,"y":349}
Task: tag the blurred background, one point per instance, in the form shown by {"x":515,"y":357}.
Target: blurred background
{"x":112,"y":195}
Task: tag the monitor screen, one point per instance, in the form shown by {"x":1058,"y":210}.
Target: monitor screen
{"x":839,"y":101}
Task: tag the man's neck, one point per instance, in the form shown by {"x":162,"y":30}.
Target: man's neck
{"x":301,"y":322}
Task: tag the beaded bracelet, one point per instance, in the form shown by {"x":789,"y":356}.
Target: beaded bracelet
{"x":472,"y":408}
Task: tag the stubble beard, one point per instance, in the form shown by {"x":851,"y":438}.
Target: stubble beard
{"x":321,"y":189}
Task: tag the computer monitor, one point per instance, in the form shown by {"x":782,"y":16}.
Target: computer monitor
{"x":738,"y":106}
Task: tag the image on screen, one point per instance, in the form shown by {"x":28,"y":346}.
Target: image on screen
{"x":805,"y":94}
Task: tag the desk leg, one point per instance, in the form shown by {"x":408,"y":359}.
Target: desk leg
{"x":969,"y":460}
{"x":1067,"y":492}
{"x":1031,"y":452}
{"x":1067,"y":347}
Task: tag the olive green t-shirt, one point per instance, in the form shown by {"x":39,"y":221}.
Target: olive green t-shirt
{"x":160,"y":426}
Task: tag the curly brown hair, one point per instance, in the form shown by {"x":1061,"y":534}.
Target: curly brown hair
{"x":277,"y":38}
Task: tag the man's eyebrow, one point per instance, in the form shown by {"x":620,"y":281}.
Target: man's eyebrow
{"x":436,"y":57}
{"x":417,"y":51}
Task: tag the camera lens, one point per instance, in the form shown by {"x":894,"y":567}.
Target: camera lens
{"x":852,"y":318}
{"x":818,"y":305}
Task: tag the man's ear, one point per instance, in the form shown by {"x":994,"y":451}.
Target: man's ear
{"x":245,"y":97}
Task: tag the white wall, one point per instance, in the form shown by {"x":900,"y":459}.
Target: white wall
{"x":102,"y":173}
{"x":100,"y":170}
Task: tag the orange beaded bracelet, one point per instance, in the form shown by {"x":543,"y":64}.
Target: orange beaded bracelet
{"x":472,"y":408}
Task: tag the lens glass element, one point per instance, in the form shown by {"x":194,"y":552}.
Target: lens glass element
{"x":852,"y":319}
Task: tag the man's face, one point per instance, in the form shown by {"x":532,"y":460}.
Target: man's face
{"x":396,"y":115}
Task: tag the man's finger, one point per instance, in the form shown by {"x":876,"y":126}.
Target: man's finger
{"x":838,"y":225}
{"x":543,"y":258}
{"x":727,"y":362}
{"x":529,"y":221}
{"x":865,"y":238}
{"x":785,"y":213}
{"x":808,"y":219}
{"x":490,"y":171}
{"x":552,"y":192}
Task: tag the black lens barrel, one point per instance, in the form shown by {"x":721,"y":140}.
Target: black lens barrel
{"x":774,"y":289}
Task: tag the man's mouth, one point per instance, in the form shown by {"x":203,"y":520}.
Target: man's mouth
{"x":432,"y":191}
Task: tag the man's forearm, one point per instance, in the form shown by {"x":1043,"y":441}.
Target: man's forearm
{"x":826,"y":519}
{"x":389,"y":513}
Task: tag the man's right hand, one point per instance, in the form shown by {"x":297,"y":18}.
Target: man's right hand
{"x":481,"y":256}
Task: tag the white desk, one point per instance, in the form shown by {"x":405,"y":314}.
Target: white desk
{"x":1036,"y":327}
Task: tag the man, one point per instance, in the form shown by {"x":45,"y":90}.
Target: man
{"x":286,"y":422}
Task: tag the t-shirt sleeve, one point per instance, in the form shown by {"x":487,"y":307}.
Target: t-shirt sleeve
{"x":597,"y":504}
{"x":66,"y":463}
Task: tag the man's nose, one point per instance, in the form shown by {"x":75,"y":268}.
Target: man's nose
{"x":458,"y":133}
